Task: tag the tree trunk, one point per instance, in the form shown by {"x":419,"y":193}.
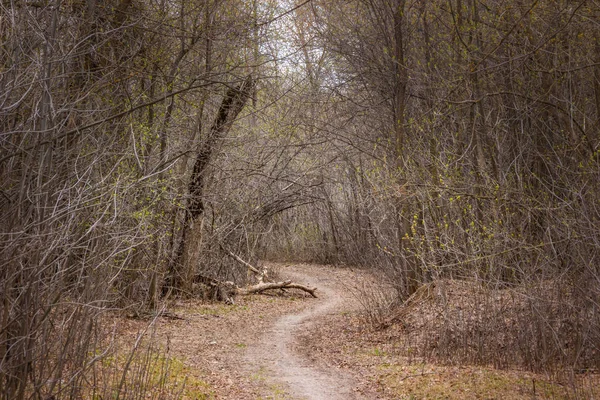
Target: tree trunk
{"x":187,"y":256}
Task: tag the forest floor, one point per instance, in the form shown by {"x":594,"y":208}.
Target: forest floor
{"x":288,"y":345}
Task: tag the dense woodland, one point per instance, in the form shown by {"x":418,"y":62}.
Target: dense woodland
{"x":143,"y":143}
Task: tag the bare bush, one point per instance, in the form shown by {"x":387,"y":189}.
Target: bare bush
{"x":94,"y":148}
{"x":469,"y":156}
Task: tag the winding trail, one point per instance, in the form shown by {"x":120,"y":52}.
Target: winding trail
{"x":275,"y":350}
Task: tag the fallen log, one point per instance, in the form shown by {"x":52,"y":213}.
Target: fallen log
{"x":261,"y":287}
{"x":213,"y":289}
{"x":261,"y":276}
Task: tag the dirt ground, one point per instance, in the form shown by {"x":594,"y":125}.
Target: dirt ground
{"x":252,"y":349}
{"x":288,"y":345}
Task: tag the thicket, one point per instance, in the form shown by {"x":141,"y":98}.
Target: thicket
{"x":467,"y":142}
{"x":144,"y":142}
{"x":104,"y":108}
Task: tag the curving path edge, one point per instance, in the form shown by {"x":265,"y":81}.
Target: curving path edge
{"x":274,"y":351}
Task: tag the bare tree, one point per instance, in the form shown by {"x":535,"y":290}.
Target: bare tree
{"x":469,"y":151}
{"x":94,"y":131}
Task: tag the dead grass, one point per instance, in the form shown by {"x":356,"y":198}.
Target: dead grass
{"x":208,"y":342}
{"x":132,"y":364}
{"x":538,"y":327}
{"x":149,"y":376}
{"x":384,"y":366}
{"x":426,"y":381}
{"x":453,"y":340}
{"x":396,"y":361}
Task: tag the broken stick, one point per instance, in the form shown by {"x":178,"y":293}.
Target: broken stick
{"x":261,"y":287}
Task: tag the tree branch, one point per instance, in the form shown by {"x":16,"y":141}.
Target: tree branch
{"x":261,"y":287}
{"x":107,"y":119}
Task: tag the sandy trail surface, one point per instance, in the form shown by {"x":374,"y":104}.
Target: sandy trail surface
{"x":268,"y":346}
{"x":289,"y":346}
{"x":277,"y":350}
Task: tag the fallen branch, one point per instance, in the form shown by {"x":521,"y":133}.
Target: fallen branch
{"x":240,"y":260}
{"x":146,"y":315}
{"x":261,"y":275}
{"x":261,"y":287}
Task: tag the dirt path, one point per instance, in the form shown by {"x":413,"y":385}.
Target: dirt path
{"x":267,"y":347}
{"x":289,"y":346}
{"x":277,"y":353}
